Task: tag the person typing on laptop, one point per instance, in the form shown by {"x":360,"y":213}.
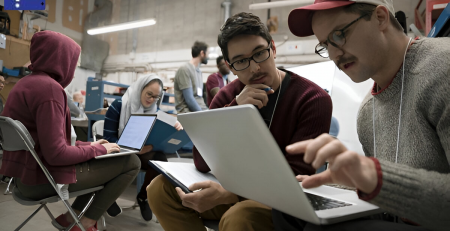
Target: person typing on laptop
{"x":140,"y":98}
{"x":293,"y":108}
{"x":39,"y":102}
{"x":403,"y":123}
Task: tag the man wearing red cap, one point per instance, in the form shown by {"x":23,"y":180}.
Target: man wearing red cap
{"x":403,"y":124}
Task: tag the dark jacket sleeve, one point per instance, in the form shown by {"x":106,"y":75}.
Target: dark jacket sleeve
{"x":211,"y":82}
{"x":314,"y":118}
{"x":112,"y":118}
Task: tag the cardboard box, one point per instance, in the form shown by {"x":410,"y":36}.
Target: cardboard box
{"x":16,"y":54}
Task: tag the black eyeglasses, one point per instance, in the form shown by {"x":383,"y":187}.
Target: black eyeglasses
{"x":258,"y":57}
{"x":336,"y":38}
{"x":150,"y":96}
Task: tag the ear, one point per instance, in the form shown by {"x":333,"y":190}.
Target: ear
{"x":382,"y":17}
{"x":274,"y":48}
{"x":229,"y":67}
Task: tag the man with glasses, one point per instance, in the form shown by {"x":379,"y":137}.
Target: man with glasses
{"x":217,"y":80}
{"x":403,"y":124}
{"x":293,"y":108}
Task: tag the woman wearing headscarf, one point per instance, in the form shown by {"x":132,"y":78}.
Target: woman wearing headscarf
{"x":39,"y":102}
{"x":140,"y":98}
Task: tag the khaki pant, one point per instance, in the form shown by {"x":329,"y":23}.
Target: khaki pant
{"x":173,"y":216}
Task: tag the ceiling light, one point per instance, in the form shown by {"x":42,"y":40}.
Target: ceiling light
{"x":268,"y":5}
{"x":122,"y":26}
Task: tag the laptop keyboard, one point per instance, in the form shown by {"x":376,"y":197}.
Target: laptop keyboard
{"x":122,"y":150}
{"x":322,"y":203}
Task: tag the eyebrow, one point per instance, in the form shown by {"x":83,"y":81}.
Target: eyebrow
{"x":335,"y":28}
{"x":238,"y":56}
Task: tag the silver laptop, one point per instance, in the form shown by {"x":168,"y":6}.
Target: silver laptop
{"x":243,"y":155}
{"x":134,"y":135}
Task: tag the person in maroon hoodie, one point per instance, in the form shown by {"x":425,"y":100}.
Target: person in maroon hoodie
{"x":40,"y":103}
{"x":293,"y":108}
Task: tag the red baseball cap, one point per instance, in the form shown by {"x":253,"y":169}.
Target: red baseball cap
{"x":300,"y":19}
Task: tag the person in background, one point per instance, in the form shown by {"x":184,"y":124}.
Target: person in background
{"x":2,"y":85}
{"x":188,"y":83}
{"x":403,"y":122}
{"x":105,"y":103}
{"x":217,"y":80}
{"x":78,"y":97}
{"x":74,"y":109}
{"x":47,"y":118}
{"x":140,"y":98}
{"x":293,"y":108}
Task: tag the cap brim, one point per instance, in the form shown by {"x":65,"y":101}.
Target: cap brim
{"x":300,"y":19}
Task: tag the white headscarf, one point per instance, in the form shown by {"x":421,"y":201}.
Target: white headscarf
{"x":131,"y":100}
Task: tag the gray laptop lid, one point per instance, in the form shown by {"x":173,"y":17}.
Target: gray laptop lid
{"x":231,"y":138}
{"x":136,"y":131}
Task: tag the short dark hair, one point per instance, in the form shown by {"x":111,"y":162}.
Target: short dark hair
{"x":220,"y":58}
{"x":198,"y":47}
{"x":241,"y":24}
{"x":368,"y":9}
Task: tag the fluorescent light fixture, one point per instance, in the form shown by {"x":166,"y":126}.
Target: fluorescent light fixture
{"x":122,"y":26}
{"x":268,"y":5}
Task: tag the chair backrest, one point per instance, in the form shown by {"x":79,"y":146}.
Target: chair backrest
{"x":97,"y":128}
{"x":15,"y":137}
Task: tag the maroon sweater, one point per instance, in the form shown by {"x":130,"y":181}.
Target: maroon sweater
{"x":39,"y":102}
{"x":304,"y":112}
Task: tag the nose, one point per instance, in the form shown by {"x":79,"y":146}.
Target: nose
{"x":334,"y":53}
{"x":254,"y":67}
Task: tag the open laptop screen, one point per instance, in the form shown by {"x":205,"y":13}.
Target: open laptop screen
{"x":136,"y":131}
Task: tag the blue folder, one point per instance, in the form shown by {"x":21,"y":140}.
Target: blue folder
{"x":165,"y":138}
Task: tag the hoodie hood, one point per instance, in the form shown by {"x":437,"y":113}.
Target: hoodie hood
{"x":55,"y":55}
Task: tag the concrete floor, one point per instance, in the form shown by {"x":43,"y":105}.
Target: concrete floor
{"x":13,"y":214}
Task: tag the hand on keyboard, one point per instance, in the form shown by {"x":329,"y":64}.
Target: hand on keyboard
{"x":346,"y":167}
{"x":111,"y":147}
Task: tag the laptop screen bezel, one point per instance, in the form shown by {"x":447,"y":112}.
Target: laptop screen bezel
{"x":148,"y":133}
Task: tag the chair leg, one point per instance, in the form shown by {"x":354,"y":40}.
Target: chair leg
{"x":77,"y":218}
{"x":103,"y":224}
{"x":177,"y":154}
{"x":50,"y":215}
{"x":29,"y":218}
{"x":7,"y":191}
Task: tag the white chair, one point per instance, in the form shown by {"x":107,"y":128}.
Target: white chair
{"x":97,"y":129}
{"x":15,"y":137}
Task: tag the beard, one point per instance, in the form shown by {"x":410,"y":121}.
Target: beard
{"x":205,"y":60}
